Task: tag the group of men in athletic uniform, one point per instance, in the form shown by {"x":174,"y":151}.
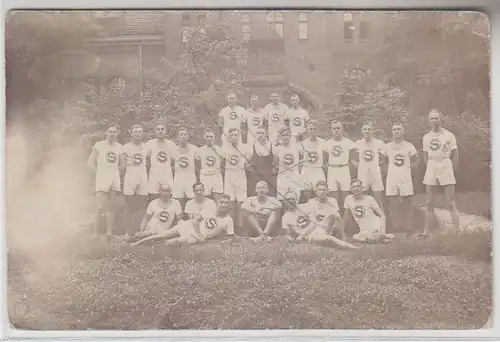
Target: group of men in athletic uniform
{"x":284,"y":176}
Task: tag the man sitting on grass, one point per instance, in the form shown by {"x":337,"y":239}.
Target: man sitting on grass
{"x":367,"y":214}
{"x":161,"y":214}
{"x":297,"y":223}
{"x":198,"y":229}
{"x":261,"y":213}
{"x":325,"y":211}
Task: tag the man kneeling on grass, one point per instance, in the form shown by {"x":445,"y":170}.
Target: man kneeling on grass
{"x":367,"y":214}
{"x":198,"y":229}
{"x":261,"y":213}
{"x":297,"y":222}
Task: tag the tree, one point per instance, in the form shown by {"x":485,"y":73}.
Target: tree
{"x":186,"y":93}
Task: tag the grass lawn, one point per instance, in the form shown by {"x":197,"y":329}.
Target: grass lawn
{"x":442,"y":283}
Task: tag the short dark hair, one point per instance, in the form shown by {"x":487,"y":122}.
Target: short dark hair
{"x":198,"y":183}
{"x":180,"y":129}
{"x":321,"y":182}
{"x":232,"y":130}
{"x":356,"y":180}
{"x":136,"y":126}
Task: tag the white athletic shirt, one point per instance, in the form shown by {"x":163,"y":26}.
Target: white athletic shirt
{"x":163,"y":216}
{"x":439,"y":145}
{"x":210,"y":159}
{"x":363,"y":212}
{"x":276,"y":115}
{"x":160,"y":152}
{"x":369,"y":152}
{"x":313,"y":152}
{"x":339,"y":150}
{"x":399,"y":156}
{"x":318,"y":211}
{"x":210,"y":223}
{"x":107,"y":155}
{"x":263,"y":209}
{"x":254,"y":119}
{"x":298,"y":220}
{"x":297,"y":118}
{"x":236,"y":157}
{"x":233,"y":117}
{"x":288,"y":158}
{"x":184,"y":159}
{"x":205,"y":208}
{"x":135,"y":155}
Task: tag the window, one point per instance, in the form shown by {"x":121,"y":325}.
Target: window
{"x":363,"y":27}
{"x":348,"y":27}
{"x":302,"y":26}
{"x":246,"y":29}
{"x":185,"y":24}
{"x":275,"y":20}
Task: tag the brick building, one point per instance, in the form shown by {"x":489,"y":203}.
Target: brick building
{"x":306,"y":52}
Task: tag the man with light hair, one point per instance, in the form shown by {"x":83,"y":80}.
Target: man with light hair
{"x":210,"y":159}
{"x":367,"y":160}
{"x":232,"y":116}
{"x":297,"y":118}
{"x":135,"y":184}
{"x":162,"y":214}
{"x":106,"y":160}
{"x":261,"y":213}
{"x":275,"y":114}
{"x":340,"y":149}
{"x":315,"y":154}
{"x":198,"y":229}
{"x":184,"y":158}
{"x":160,"y":158}
{"x":299,"y":225}
{"x":441,"y":159}
{"x":288,"y":158}
{"x":255,"y":118}
{"x":367,"y":214}
{"x":402,"y":157}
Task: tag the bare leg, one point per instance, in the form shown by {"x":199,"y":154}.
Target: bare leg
{"x":408,"y":213}
{"x":139,"y":209}
{"x":394,"y":212}
{"x":130,"y":211}
{"x":430,"y":191}
{"x":238,"y":213}
{"x":110,"y":214}
{"x":379,"y":197}
{"x":332,"y":240}
{"x":169,"y":234}
{"x":451,"y":205}
{"x":102,"y":204}
{"x":271,"y":223}
{"x":253,"y":224}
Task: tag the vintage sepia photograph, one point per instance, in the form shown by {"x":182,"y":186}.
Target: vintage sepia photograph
{"x":248,"y":169}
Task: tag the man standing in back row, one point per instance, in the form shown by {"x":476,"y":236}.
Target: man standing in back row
{"x":232,"y":116}
{"x":441,"y":157}
{"x":297,"y":118}
{"x":276,"y":115}
{"x":255,"y":118}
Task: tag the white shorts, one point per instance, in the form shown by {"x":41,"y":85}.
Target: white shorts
{"x":317,"y":234}
{"x":106,"y":180}
{"x":235,"y":186}
{"x":158,"y":177}
{"x":155,"y":228}
{"x":185,"y":228}
{"x":371,"y":178}
{"x":212,"y":183}
{"x":183,"y":185}
{"x":439,"y":172}
{"x":369,"y":229}
{"x":339,"y":178}
{"x":135,"y":182}
{"x":311,"y":176}
{"x":289,"y":181}
{"x":399,"y":186}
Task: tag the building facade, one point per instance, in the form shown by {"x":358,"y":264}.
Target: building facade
{"x":306,"y":52}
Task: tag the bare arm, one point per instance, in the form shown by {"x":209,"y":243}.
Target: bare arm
{"x":197,"y":168}
{"x":145,"y":221}
{"x":246,"y":206}
{"x":92,"y":161}
{"x":414,"y":161}
{"x":306,"y":231}
{"x":122,"y":163}
{"x":380,"y":213}
{"x":454,"y":158}
{"x":354,"y":157}
{"x":426,"y":157}
{"x":220,"y":124}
